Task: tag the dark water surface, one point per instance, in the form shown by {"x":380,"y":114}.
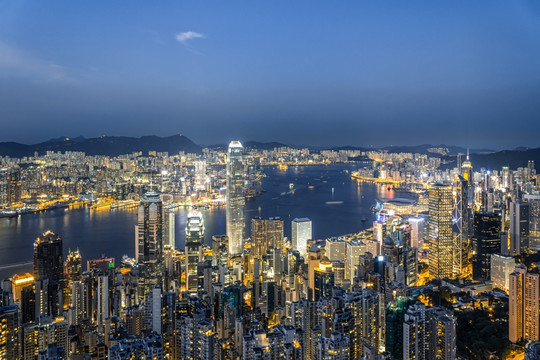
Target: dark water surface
{"x":111,"y":232}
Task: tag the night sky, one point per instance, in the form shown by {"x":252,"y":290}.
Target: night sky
{"x":300,"y":72}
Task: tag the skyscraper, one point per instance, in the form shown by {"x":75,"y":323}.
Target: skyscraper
{"x":235,"y":198}
{"x":486,"y":241}
{"x":442,"y":251}
{"x":149,"y":245}
{"x":301,"y":233}
{"x":501,"y":268}
{"x":14,"y":186}
{"x":534,"y":220}
{"x":519,"y":227}
{"x":266,"y":233}
{"x":193,"y":249}
{"x":524,"y":305}
{"x":3,"y":187}
{"x":48,"y":273}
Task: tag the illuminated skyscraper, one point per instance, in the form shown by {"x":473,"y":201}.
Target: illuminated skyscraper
{"x":3,"y":187}
{"x":534,"y":220}
{"x":466,"y":169}
{"x":169,"y":238}
{"x":14,"y":186}
{"x":266,"y":233}
{"x":524,"y":306}
{"x":193,"y":249}
{"x":501,"y":268}
{"x":235,"y":198}
{"x":486,"y":241}
{"x":519,"y":227}
{"x":10,"y":332}
{"x":441,"y":240}
{"x":149,"y":245}
{"x":49,"y":273}
{"x":301,"y":233}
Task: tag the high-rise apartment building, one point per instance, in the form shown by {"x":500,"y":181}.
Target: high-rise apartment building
{"x":301,"y":233}
{"x":235,"y":206}
{"x":524,"y":305}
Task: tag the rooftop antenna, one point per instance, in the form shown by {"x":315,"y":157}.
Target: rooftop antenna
{"x":467,"y":154}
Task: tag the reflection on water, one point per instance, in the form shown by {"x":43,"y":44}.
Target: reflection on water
{"x":111,"y":232}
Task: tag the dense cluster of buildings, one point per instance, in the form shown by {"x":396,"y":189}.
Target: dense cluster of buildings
{"x":264,"y":295}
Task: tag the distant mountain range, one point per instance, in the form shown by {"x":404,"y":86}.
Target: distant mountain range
{"x":104,"y":145}
{"x":118,"y":145}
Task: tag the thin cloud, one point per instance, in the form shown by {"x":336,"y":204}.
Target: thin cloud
{"x":185,"y":36}
{"x":14,"y":62}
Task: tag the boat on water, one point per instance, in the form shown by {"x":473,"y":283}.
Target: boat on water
{"x":283,"y":167}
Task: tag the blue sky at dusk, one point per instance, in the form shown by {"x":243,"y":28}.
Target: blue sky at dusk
{"x":299,"y":72}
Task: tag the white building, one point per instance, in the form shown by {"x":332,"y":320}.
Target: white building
{"x":301,"y":233}
{"x":501,"y":268}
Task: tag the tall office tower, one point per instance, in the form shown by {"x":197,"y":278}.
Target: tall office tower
{"x":323,"y":280}
{"x":14,"y":186}
{"x":523,"y":308}
{"x":152,"y":310}
{"x":519,"y":227}
{"x":335,"y":347}
{"x":193,"y":249}
{"x":379,"y":231}
{"x":501,"y":268}
{"x":443,"y":255}
{"x":102,"y":295}
{"x":9,"y":332}
{"x":410,"y":265}
{"x":3,"y":188}
{"x":486,"y":241}
{"x":395,"y":317}
{"x":169,"y":238}
{"x":466,"y":169}
{"x":354,"y":249}
{"x":461,"y":221}
{"x":80,"y":306}
{"x":301,"y":233}
{"x":200,"y":175}
{"x":506,"y":177}
{"x":28,"y":304}
{"x":149,"y":243}
{"x":72,"y":272}
{"x":417,"y":231}
{"x":236,"y":200}
{"x":534,"y":220}
{"x":48,"y":272}
{"x":266,"y":233}
{"x":314,"y":258}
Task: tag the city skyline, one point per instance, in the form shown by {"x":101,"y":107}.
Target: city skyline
{"x":354,"y":74}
